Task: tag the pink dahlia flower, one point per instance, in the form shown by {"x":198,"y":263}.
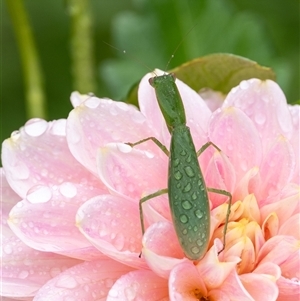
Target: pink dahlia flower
{"x":70,"y":193}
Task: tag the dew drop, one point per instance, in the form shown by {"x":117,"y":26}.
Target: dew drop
{"x":195,"y":250}
{"x":92,"y":102}
{"x":187,"y":187}
{"x":44,"y":172}
{"x":184,"y":231}
{"x":199,"y":242}
{"x":39,"y":194}
{"x":199,"y":213}
{"x":244,"y":85}
{"x":176,"y":162}
{"x":130,"y":293}
{"x":149,"y":155}
{"x":260,"y":118}
{"x":194,"y":196}
{"x":119,"y":241}
{"x":122,"y":105}
{"x":23,"y":274}
{"x":124,"y":148}
{"x":244,"y":165}
{"x":177,"y":175}
{"x":109,"y":282}
{"x":66,"y":281}
{"x":7,"y":249}
{"x":184,"y":218}
{"x":183,"y":153}
{"x":36,"y":127}
{"x":59,"y":127}
{"x":186,"y":205}
{"x":113,"y":293}
{"x":189,"y":171}
{"x":15,"y":135}
{"x":68,"y":189}
{"x":74,"y":136}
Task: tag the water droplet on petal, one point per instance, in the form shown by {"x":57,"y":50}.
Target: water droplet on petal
{"x":260,"y":118}
{"x":109,"y":282}
{"x":130,"y":293}
{"x":122,"y":105}
{"x":15,"y":135}
{"x":59,"y":127}
{"x":7,"y":249}
{"x":113,"y":293}
{"x":66,"y":281}
{"x":39,"y":194}
{"x":55,"y":271}
{"x":149,"y":155}
{"x":124,"y":148}
{"x":36,"y":127}
{"x":119,"y":241}
{"x":92,"y":102}
{"x":23,"y":274}
{"x":68,"y":189}
{"x":244,"y":85}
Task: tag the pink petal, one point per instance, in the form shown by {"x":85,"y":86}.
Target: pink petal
{"x":265,"y":104}
{"x":131,"y":172}
{"x":248,"y":184}
{"x":39,"y":154}
{"x":270,"y":226}
{"x":8,"y":197}
{"x":260,"y":286}
{"x":251,"y":210}
{"x":289,"y":289}
{"x":24,"y":270}
{"x":46,"y":219}
{"x":139,"y":285}
{"x":281,"y":157}
{"x":283,"y":251}
{"x":268,"y":268}
{"x":98,"y":121}
{"x":112,"y":225}
{"x":161,"y":248}
{"x":219,"y":174}
{"x":212,"y":270}
{"x":295,"y":139}
{"x":291,"y":227}
{"x":185,"y":283}
{"x":87,"y":281}
{"x":213,"y":99}
{"x":231,"y":289}
{"x":284,"y":209}
{"x":234,"y":133}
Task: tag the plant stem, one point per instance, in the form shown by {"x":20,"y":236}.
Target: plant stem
{"x":82,"y":46}
{"x":33,"y":77}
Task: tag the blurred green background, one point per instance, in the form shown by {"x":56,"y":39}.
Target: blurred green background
{"x":265,"y":31}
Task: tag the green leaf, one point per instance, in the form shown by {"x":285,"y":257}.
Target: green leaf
{"x":219,"y":72}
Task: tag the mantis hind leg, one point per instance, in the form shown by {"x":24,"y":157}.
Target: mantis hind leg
{"x":156,"y":141}
{"x":228,"y":194}
{"x":145,"y":199}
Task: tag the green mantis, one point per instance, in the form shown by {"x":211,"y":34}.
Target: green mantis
{"x":187,"y":191}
